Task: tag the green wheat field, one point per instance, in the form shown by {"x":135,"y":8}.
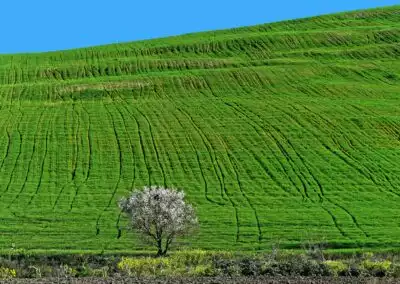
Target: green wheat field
{"x":279,"y":134}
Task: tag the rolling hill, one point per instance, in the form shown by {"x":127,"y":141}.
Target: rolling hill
{"x":278,"y":133}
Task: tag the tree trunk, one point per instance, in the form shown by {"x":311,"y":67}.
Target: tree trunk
{"x":159,"y":246}
{"x":167,"y":243}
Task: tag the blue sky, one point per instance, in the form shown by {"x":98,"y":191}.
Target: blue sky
{"x":44,"y":25}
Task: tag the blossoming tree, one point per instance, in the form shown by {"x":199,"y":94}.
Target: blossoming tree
{"x":159,"y":214}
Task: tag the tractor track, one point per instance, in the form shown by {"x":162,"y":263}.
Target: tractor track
{"x":199,"y":163}
{"x":119,"y":173}
{"x":321,"y":196}
{"x":222,"y":175}
{"x":298,"y":122}
{"x":29,"y":163}
{"x":17,"y":158}
{"x":43,"y":162}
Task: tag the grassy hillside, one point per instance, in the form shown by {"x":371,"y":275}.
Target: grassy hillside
{"x":278,"y":133}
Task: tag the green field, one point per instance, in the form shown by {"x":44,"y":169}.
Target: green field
{"x":278,"y":133}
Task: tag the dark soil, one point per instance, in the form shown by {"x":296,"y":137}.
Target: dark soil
{"x":209,"y":280}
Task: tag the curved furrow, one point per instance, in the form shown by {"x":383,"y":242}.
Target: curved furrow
{"x":321,"y":195}
{"x":8,"y":148}
{"x":321,"y":189}
{"x":119,"y":230}
{"x":89,"y":139}
{"x":119,"y":174}
{"x":290,"y":161}
{"x":211,"y":153}
{"x":21,"y":95}
{"x":303,"y":162}
{"x":351,"y":216}
{"x":298,"y":122}
{"x":66,"y":183}
{"x":75,"y":163}
{"x":300,"y":175}
{"x":389,"y":180}
{"x":8,"y":142}
{"x":265,"y":168}
{"x":90,"y":162}
{"x":212,"y":150}
{"x":344,"y":209}
{"x":361,"y":168}
{"x":140,"y":135}
{"x":335,"y":222}
{"x":208,"y":85}
{"x":43,"y":161}
{"x":188,"y":137}
{"x":170,"y":162}
{"x":351,"y":161}
{"x":388,"y":129}
{"x":60,"y":193}
{"x":17,"y":158}
{"x":257,"y":128}
{"x":154,"y":146}
{"x":177,"y":147}
{"x":12,"y":93}
{"x":369,"y":172}
{"x":382,"y":172}
{"x":76,"y":148}
{"x":29,"y":163}
{"x":234,"y":165}
{"x":391,"y":129}
{"x":75,"y":157}
{"x":131,"y":147}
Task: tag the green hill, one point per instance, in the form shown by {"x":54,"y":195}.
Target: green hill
{"x":278,"y":133}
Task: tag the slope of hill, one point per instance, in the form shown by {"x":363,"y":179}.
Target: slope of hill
{"x":279,"y":133}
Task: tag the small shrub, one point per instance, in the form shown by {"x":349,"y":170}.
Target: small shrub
{"x":315,"y":250}
{"x":203,"y":270}
{"x":376,"y":268}
{"x":35,"y":271}
{"x":271,"y":268}
{"x":144,"y":266}
{"x":303,"y":266}
{"x":7,"y":273}
{"x":354,"y":266}
{"x":354,"y":271}
{"x":395,"y":270}
{"x":66,"y":271}
{"x":190,"y":258}
{"x":250,"y":267}
{"x":180,"y":264}
{"x":102,"y":272}
{"x":27,"y":270}
{"x":89,"y":269}
{"x":226,"y":267}
{"x":337,"y":268}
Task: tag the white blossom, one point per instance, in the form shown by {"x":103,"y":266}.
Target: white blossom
{"x":159,"y":213}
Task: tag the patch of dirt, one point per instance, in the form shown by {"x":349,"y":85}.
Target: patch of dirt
{"x":210,"y":280}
